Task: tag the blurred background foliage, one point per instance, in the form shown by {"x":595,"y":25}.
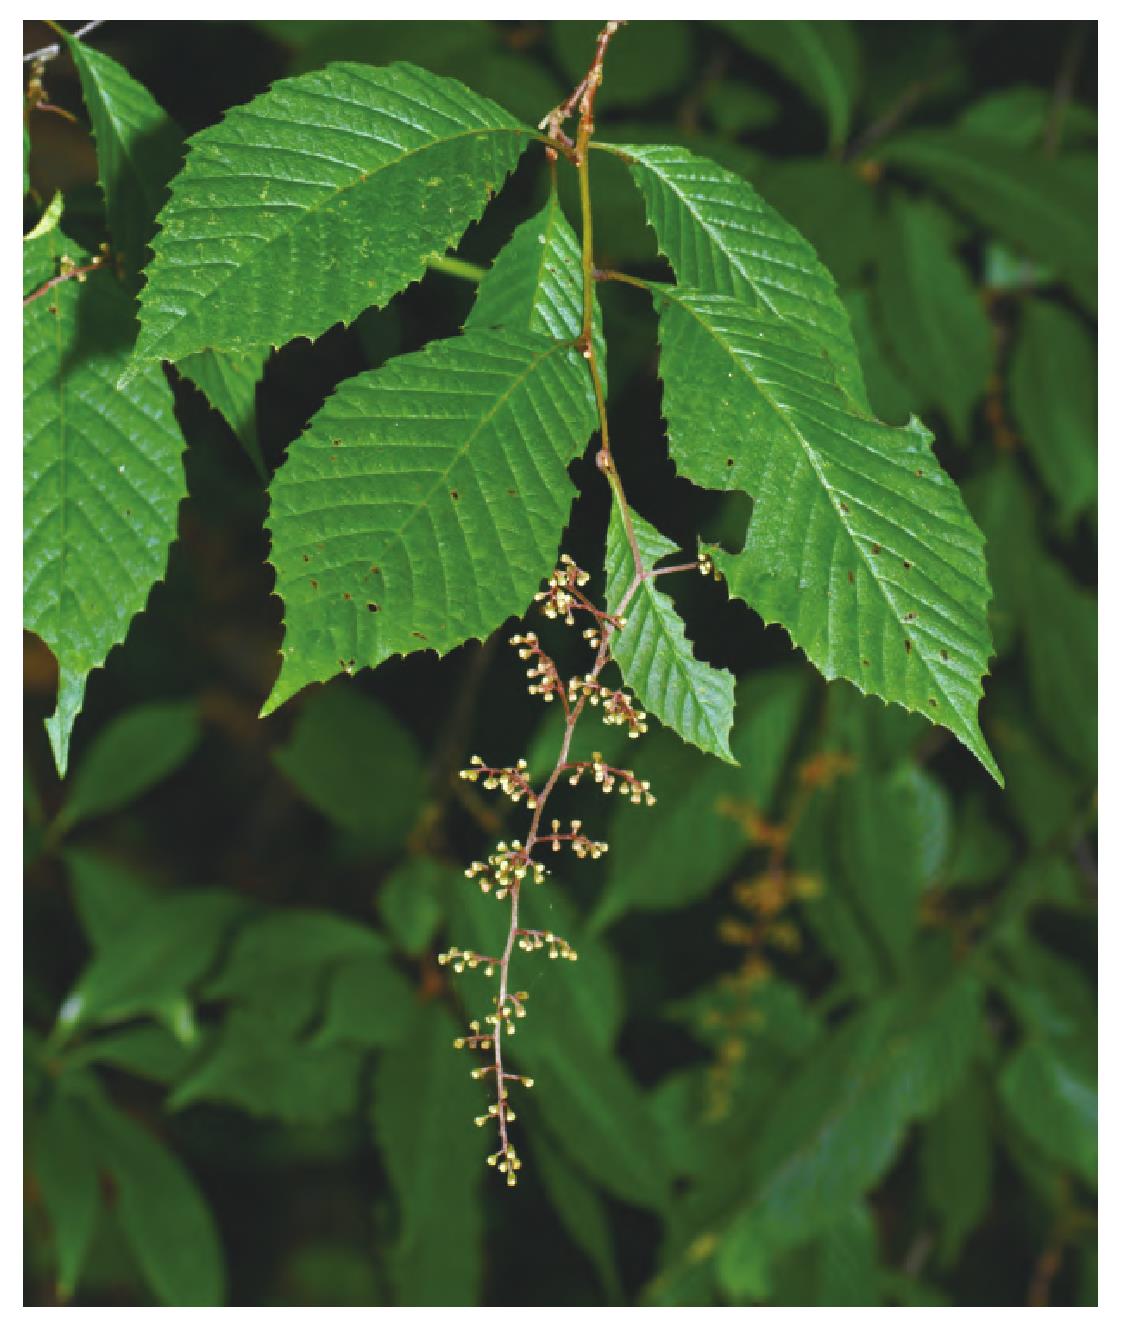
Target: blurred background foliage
{"x":832,"y":1035}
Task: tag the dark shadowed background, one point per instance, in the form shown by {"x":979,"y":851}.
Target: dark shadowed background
{"x":853,"y":962}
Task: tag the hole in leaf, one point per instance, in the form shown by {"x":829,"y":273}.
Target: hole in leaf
{"x":373,"y":608}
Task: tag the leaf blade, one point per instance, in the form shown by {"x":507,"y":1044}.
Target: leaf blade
{"x":456,"y":500}
{"x":653,"y":651}
{"x":103,"y":473}
{"x":366,"y":148}
{"x":859,"y":543}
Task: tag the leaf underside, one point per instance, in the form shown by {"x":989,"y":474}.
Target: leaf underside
{"x":103,"y":473}
{"x":319,"y":199}
{"x":654,"y":653}
{"x":423,"y":505}
{"x":859,"y":543}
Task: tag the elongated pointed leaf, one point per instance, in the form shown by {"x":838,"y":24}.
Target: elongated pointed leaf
{"x":932,"y":314}
{"x":1047,"y":208}
{"x":821,"y":58}
{"x":162,"y":1213}
{"x":424,"y":503}
{"x":103,"y":472}
{"x":320,"y":198}
{"x":422,"y":1116}
{"x":64,"y":1163}
{"x":536,"y":283}
{"x":139,"y":148}
{"x":859,"y":543}
{"x":1053,"y":381}
{"x":654,"y":653}
{"x":720,"y":236}
{"x":229,"y":381}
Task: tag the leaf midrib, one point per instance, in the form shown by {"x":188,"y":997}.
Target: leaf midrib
{"x":816,"y":466}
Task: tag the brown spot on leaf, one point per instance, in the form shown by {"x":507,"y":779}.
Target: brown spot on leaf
{"x":944,"y":655}
{"x":932,"y":701}
{"x":908,"y":646}
{"x":336,"y":443}
{"x":850,"y":577}
{"x":347,"y":595}
{"x":454,"y":494}
{"x":313,"y":583}
{"x":419,"y":635}
{"x":875,"y":549}
{"x":906,"y":564}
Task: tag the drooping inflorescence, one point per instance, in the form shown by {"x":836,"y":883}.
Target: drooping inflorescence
{"x":511,"y":862}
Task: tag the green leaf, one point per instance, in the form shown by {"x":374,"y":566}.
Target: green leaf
{"x":737,"y":108}
{"x":1019,"y":116}
{"x":139,"y":149}
{"x":593,"y":1106}
{"x":1055,"y":1105}
{"x":1045,"y":207}
{"x":352,"y":760}
{"x":106,"y":894}
{"x":146,"y":1050}
{"x":832,"y":206}
{"x":320,"y":198}
{"x":1053,"y":385}
{"x":370,"y":1004}
{"x":103,"y":475}
{"x":423,"y":505}
{"x":535,"y":285}
{"x":822,"y":59}
{"x":258,"y":1064}
{"x":138,"y":146}
{"x":282,"y":943}
{"x":653,"y":651}
{"x":422,"y":1117}
{"x":136,"y":751}
{"x":837,"y":1125}
{"x":956,"y":1165}
{"x":720,"y":236}
{"x":167,"y":946}
{"x":672,"y":855}
{"x":580,"y":1211}
{"x":889,"y":391}
{"x":1061,"y":641}
{"x":411,"y":901}
{"x":859,"y":544}
{"x":162,"y":1213}
{"x":66,"y":1170}
{"x":932,"y":312}
{"x":229,"y":381}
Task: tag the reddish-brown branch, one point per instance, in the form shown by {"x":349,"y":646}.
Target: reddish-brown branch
{"x":77,"y":272}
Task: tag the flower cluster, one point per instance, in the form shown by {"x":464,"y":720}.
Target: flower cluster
{"x":502,"y":872}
